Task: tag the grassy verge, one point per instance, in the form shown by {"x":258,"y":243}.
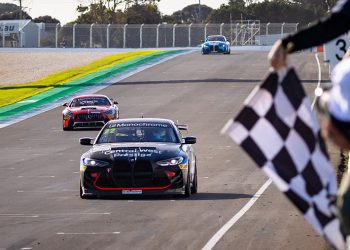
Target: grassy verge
{"x":10,"y":94}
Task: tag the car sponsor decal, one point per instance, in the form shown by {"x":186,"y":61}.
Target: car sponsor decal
{"x":139,"y":152}
{"x":139,"y":124}
{"x":83,"y":168}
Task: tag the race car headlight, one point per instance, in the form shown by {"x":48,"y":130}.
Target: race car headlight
{"x":170,"y":162}
{"x":67,"y":115}
{"x":94,"y":163}
{"x":111,"y":113}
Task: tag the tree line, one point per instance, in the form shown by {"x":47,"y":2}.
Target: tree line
{"x":146,"y":11}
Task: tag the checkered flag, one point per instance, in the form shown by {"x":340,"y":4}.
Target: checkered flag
{"x":279,"y":131}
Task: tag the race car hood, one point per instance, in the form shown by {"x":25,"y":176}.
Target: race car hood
{"x":88,"y":109}
{"x":147,"y":151}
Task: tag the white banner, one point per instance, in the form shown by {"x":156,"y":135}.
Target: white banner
{"x":9,"y":28}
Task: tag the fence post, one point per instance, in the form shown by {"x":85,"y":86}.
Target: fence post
{"x":92,"y":25}
{"x":205,"y":31}
{"x":282,"y":30}
{"x":189,"y":35}
{"x":267,"y":33}
{"x":74,"y":25}
{"x":251,"y":32}
{"x":236,"y":39}
{"x":141,"y":35}
{"x":157,"y":38}
{"x":174,"y":34}
{"x":109,"y":25}
{"x":56,"y":35}
{"x":124,"y":35}
{"x":221,"y":25}
{"x":39,"y":34}
{"x":3,"y":35}
{"x":21,"y":39}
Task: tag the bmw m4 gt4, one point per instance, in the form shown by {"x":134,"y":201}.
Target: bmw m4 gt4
{"x":138,"y":157}
{"x":217,"y":43}
{"x":89,"y":111}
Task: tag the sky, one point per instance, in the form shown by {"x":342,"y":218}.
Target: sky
{"x":65,"y":10}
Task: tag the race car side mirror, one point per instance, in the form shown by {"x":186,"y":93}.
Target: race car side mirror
{"x":190,"y":140}
{"x":115,"y":102}
{"x":65,"y":104}
{"x":86,"y":141}
{"x":202,"y":41}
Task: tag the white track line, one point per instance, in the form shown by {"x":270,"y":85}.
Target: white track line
{"x":223,"y":230}
{"x":36,"y":176}
{"x":318,"y":90}
{"x":20,"y":216}
{"x":47,"y":215}
{"x":92,"y":233}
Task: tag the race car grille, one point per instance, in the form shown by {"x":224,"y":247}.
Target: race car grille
{"x":122,"y":173}
{"x":213,"y":48}
{"x":137,"y":175}
{"x":89,"y":117}
{"x":143,"y":173}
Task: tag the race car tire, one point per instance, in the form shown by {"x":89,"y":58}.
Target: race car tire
{"x":188,"y":186}
{"x":67,"y":128}
{"x":194,"y":187}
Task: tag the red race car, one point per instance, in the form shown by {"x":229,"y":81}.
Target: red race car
{"x":89,"y":111}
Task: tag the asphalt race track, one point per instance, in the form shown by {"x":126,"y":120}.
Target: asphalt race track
{"x":39,"y":192}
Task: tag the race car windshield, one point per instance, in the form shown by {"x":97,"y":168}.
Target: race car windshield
{"x":90,"y":101}
{"x":216,"y":38}
{"x":146,"y":133}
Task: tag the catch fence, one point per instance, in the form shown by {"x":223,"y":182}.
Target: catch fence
{"x":46,"y":35}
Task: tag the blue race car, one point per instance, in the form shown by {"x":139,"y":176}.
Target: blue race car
{"x":217,"y":43}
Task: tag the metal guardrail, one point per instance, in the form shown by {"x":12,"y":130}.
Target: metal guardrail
{"x":46,"y":35}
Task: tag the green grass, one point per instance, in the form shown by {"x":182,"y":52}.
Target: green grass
{"x":10,"y":94}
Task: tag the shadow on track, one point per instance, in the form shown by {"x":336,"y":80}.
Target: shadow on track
{"x":213,"y":80}
{"x":198,"y":197}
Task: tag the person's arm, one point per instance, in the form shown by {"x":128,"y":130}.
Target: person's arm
{"x":322,"y":32}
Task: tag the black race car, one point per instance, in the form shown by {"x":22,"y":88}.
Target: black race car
{"x":138,"y":157}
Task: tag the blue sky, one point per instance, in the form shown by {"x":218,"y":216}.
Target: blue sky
{"x":64,"y":10}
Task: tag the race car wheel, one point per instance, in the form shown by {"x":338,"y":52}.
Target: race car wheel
{"x":188,"y":186}
{"x":195,"y":182}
